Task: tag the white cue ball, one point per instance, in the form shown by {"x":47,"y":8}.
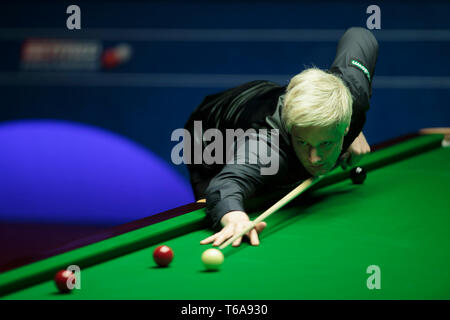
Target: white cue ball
{"x":212,"y":259}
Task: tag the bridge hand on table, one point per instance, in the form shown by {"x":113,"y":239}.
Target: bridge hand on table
{"x":233,"y":223}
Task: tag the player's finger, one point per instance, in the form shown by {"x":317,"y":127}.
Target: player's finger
{"x":354,"y":159}
{"x":238,"y":230}
{"x":260,"y":226}
{"x":226,"y":233}
{"x":209,"y":239}
{"x":343,"y":160}
{"x":350,"y":161}
{"x":254,"y":237}
{"x":214,"y":236}
{"x":237,"y":242}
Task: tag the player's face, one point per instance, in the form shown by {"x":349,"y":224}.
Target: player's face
{"x":318,"y":148}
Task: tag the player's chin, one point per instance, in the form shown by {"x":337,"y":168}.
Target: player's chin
{"x":315,"y":172}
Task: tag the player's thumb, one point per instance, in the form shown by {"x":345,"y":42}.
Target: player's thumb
{"x":260,"y":226}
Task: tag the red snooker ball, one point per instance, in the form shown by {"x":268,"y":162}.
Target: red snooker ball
{"x":61,"y":278}
{"x":163,"y":255}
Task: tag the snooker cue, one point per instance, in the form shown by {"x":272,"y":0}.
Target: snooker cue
{"x":285,"y":200}
{"x":444,"y":131}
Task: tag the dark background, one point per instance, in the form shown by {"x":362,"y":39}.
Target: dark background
{"x":180,"y":52}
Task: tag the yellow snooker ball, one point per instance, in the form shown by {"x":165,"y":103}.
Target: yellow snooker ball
{"x":212,"y":259}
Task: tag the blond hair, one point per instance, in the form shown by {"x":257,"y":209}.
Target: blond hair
{"x":316,"y":98}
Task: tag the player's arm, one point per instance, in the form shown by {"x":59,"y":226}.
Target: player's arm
{"x":355,"y":61}
{"x":357,"y":50}
{"x":226,"y":194}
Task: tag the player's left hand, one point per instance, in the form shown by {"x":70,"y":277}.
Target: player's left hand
{"x":355,"y":152}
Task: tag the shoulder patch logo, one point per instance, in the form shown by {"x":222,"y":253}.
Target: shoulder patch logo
{"x":361,"y":67}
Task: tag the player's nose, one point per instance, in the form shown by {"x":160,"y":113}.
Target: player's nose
{"x":314,"y":157}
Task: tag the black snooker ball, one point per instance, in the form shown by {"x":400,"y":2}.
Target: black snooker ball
{"x":358,"y":175}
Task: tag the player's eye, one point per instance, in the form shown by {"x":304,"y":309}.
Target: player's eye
{"x":301,"y":142}
{"x":327,"y":143}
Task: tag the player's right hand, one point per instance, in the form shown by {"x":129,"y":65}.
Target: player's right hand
{"x":233,"y":223}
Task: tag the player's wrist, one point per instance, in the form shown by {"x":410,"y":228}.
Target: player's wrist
{"x":234,"y":216}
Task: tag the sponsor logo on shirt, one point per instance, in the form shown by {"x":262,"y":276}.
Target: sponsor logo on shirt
{"x":361,"y":67}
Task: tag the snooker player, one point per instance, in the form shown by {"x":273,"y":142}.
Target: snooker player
{"x":319,"y":116}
